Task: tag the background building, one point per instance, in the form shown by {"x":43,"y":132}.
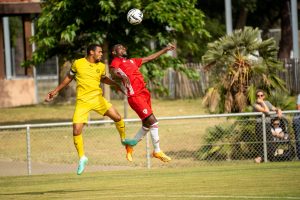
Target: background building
{"x":17,"y":84}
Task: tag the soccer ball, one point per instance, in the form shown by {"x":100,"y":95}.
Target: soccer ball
{"x":134,"y":16}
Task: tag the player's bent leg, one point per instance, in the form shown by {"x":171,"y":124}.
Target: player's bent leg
{"x":141,"y":133}
{"x":119,"y":123}
{"x":120,"y":126}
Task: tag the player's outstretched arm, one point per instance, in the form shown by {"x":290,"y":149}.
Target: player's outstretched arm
{"x":63,"y":84}
{"x":169,"y":47}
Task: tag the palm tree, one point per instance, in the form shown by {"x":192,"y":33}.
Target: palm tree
{"x":239,"y":64}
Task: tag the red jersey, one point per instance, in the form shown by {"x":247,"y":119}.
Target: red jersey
{"x":133,"y":79}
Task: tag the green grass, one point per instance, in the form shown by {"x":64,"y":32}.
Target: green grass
{"x":266,"y":181}
{"x":45,"y":113}
{"x":183,"y":178}
{"x":181,"y":139}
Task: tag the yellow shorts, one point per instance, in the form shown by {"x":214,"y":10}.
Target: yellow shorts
{"x":82,"y":109}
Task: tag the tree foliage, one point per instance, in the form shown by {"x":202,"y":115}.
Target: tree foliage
{"x":266,"y":15}
{"x":239,"y":64}
{"x":66,"y":27}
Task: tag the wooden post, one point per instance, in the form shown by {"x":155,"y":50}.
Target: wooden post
{"x":2,"y":67}
{"x":27,"y":46}
{"x":106,"y":88}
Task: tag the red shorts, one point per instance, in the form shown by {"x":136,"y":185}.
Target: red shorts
{"x":141,"y":104}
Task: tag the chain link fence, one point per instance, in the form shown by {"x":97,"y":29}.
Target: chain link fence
{"x":217,"y":139}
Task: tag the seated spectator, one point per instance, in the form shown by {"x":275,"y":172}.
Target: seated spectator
{"x":277,"y":131}
{"x":264,"y":106}
{"x":261,"y":105}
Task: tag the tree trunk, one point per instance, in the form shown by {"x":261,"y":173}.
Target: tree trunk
{"x":105,"y":87}
{"x":286,"y":41}
{"x":68,"y":92}
{"x":241,"y":22}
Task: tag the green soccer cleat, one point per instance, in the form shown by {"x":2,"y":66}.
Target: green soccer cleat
{"x":130,"y":142}
{"x":81,"y":165}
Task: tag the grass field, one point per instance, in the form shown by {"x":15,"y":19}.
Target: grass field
{"x":45,"y":113}
{"x":269,"y":181}
{"x":229,"y":180}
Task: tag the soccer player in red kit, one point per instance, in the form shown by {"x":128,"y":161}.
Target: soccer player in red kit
{"x":139,"y":97}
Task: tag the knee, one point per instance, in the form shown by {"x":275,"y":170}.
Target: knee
{"x":77,"y":130}
{"x":117,"y":118}
{"x":150,"y":121}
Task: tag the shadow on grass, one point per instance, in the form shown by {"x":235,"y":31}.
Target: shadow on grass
{"x":52,"y":192}
{"x":182,"y":154}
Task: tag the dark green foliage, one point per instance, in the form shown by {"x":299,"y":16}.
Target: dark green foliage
{"x":230,"y":141}
{"x":66,"y":27}
{"x":239,"y":64}
{"x":281,"y":99}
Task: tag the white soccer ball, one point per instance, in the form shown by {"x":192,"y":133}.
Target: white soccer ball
{"x":134,"y":16}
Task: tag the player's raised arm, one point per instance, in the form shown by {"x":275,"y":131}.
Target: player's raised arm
{"x":63,"y":84}
{"x":169,"y":47}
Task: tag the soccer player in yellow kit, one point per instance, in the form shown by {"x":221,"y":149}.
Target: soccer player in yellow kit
{"x":88,"y":72}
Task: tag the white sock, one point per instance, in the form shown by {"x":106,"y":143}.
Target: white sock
{"x":155,"y":137}
{"x":141,"y":133}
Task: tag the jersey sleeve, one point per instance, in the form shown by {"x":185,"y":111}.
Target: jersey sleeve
{"x":138,"y":61}
{"x":115,"y":63}
{"x":73,"y":69}
{"x":104,"y":70}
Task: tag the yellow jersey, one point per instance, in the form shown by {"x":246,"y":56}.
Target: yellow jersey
{"x":87,"y":76}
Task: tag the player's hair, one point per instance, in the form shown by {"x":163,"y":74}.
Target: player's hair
{"x":91,"y":47}
{"x":114,"y":48}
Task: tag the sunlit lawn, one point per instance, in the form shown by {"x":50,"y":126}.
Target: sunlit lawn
{"x":272,"y":181}
{"x":44,"y":113}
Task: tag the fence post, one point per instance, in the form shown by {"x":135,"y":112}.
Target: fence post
{"x":28,"y":149}
{"x":171,"y":84}
{"x":148,"y":151}
{"x":264,"y":137}
{"x":125,"y":101}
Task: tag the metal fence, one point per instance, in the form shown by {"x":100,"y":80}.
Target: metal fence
{"x":217,"y":139}
{"x":291,"y":75}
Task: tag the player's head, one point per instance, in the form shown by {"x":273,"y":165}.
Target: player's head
{"x":119,"y":50}
{"x":94,"y":52}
